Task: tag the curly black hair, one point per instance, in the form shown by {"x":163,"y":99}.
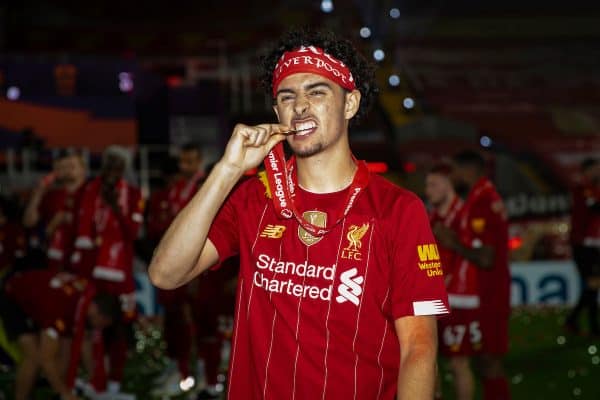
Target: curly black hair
{"x":342,"y":49}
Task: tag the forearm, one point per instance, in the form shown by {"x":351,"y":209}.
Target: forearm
{"x":32,"y":215}
{"x":416,"y":379}
{"x":177,"y":259}
{"x":483,"y":256}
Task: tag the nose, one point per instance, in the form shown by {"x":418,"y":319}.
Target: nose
{"x":300,"y":105}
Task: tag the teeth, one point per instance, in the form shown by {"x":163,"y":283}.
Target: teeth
{"x":304,"y":126}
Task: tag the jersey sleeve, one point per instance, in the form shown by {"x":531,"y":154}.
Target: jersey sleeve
{"x":224,"y":232}
{"x":417,"y":284}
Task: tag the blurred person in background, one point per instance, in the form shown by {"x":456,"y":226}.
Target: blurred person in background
{"x":179,"y":323}
{"x":459,"y":333}
{"x":158,"y":211}
{"x":331,"y":300}
{"x":482,"y":242}
{"x":53,"y":208}
{"x":12,"y":238}
{"x":110,"y":215}
{"x":585,"y":245}
{"x":43,"y":311}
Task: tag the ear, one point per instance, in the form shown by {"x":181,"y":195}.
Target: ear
{"x":276,"y":113}
{"x":352,"y":104}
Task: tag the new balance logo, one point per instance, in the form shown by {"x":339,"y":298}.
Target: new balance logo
{"x":273,"y":231}
{"x":428,"y":252}
{"x":350,"y":289}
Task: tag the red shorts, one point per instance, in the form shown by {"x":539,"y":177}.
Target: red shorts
{"x":494,"y":326}
{"x":460,"y":333}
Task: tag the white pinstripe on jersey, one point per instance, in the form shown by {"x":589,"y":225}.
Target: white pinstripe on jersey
{"x":361,"y":303}
{"x":337,"y":260}
{"x":381,"y":348}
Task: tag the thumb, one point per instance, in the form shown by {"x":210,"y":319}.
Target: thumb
{"x":274,"y":139}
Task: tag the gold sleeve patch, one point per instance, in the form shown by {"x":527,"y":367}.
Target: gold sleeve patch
{"x":429,"y":260}
{"x":478,"y":225}
{"x":262,"y":175}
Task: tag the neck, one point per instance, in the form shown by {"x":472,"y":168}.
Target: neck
{"x":444,"y":207}
{"x":326,"y":173}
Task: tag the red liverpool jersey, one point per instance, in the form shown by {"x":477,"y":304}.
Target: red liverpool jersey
{"x":450,"y":220}
{"x":315,"y":315}
{"x":61,"y":203}
{"x":461,"y":275}
{"x":585,"y":215}
{"x":182,"y":191}
{"x":159,"y":214}
{"x":108,"y":235}
{"x":483,"y":222}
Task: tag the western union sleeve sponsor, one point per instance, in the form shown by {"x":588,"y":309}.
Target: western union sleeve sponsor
{"x":428,"y":252}
{"x":429,"y":258}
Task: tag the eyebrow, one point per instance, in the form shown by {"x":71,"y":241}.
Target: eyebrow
{"x":306,"y":88}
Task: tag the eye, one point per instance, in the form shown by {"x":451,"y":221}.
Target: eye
{"x":316,"y":93}
{"x":285,"y":98}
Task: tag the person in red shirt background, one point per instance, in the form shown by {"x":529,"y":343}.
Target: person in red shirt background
{"x":459,"y":333}
{"x":482,"y":241}
{"x":109,"y":219}
{"x":585,"y":245}
{"x":43,"y":310}
{"x":54,"y":204}
{"x":158,"y":212}
{"x":179,"y":325}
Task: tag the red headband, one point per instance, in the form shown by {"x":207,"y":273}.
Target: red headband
{"x":314,"y":60}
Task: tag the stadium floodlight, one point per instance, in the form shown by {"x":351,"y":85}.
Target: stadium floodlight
{"x":378,"y":55}
{"x":395,"y":13}
{"x":125,"y":82}
{"x":485,"y":141}
{"x":13,"y":93}
{"x":365,"y":32}
{"x":394,"y":80}
{"x":327,"y":6}
{"x":408,"y":103}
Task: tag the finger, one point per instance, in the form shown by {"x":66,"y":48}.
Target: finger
{"x":280,"y":128}
{"x":250,"y":136}
{"x":275,"y":128}
{"x":274,"y":139}
{"x":262,"y":135}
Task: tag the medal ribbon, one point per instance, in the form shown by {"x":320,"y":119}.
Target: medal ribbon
{"x":283,"y":181}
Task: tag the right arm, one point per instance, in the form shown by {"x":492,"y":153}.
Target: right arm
{"x":184,"y":251}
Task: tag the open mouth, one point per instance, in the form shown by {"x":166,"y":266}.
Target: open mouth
{"x":305,"y":127}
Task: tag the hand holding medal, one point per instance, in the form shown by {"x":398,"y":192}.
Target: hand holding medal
{"x":249,"y":145}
